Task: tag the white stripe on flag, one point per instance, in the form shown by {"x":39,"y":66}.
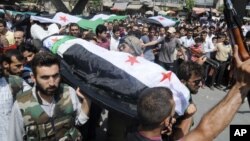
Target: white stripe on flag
{"x":163,"y":20}
{"x":65,"y":19}
{"x":150,"y":74}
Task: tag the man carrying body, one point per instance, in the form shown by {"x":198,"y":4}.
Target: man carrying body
{"x":50,"y":109}
{"x":211,"y":124}
{"x":10,"y":85}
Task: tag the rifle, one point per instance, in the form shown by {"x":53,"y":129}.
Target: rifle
{"x":235,"y":33}
{"x":208,"y":61}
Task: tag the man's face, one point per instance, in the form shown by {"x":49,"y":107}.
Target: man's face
{"x":110,"y":26}
{"x":103,"y":35}
{"x":152,"y":33}
{"x":47,"y":79}
{"x":117,"y":34}
{"x":189,"y":34}
{"x":28,"y":56}
{"x":194,"y":83}
{"x":74,"y":31}
{"x":15,"y":67}
{"x":145,"y":31}
{"x":162,"y":31}
{"x":19,"y":37}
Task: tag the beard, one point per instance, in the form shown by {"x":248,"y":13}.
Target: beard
{"x":47,"y":91}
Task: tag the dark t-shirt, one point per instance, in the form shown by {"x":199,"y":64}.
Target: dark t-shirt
{"x":136,"y":136}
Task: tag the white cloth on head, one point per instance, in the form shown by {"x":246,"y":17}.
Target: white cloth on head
{"x":37,"y":32}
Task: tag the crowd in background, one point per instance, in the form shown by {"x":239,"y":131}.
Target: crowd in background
{"x":166,"y":46}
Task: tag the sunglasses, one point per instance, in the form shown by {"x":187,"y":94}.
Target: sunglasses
{"x":197,"y":82}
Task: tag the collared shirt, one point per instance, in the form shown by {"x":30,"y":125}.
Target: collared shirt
{"x":187,"y":42}
{"x":17,"y":130}
{"x":10,"y":37}
{"x":223,"y":52}
{"x":6,"y":102}
{"x":114,"y":43}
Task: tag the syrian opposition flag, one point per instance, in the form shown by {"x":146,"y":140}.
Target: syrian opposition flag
{"x":117,"y":73}
{"x":107,"y":17}
{"x":101,"y":16}
{"x":65,"y":19}
{"x":44,"y":19}
{"x":163,"y":21}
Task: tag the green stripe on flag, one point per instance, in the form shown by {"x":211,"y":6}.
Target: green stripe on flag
{"x":60,"y":42}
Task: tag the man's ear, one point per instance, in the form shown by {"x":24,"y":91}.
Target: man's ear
{"x":5,"y":65}
{"x":183,"y":81}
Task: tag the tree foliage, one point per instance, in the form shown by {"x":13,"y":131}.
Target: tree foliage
{"x":190,"y":4}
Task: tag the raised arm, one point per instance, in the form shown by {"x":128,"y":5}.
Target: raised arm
{"x":218,"y":118}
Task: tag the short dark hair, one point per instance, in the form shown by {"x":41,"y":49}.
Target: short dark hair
{"x":100,"y":29}
{"x":73,"y":24}
{"x":3,"y":22}
{"x":28,"y":47}
{"x":116,"y":28}
{"x":10,"y":53}
{"x":154,"y":105}
{"x":188,"y":68}
{"x":43,"y":59}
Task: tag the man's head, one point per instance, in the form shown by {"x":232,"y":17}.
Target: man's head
{"x":189,"y":34}
{"x":45,"y":68}
{"x":171,"y":32}
{"x":3,"y":26}
{"x":19,"y":37}
{"x":74,"y":30}
{"x":156,"y":108}
{"x":131,"y":44}
{"x":12,"y":62}
{"x":145,"y":31}
{"x":110,"y":26}
{"x":101,"y":31}
{"x":116,"y":32}
{"x":28,"y":51}
{"x":204,"y":35}
{"x":191,"y":74}
{"x":162,"y":31}
{"x":151,"y":32}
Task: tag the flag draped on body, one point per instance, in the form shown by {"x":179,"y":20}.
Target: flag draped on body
{"x":118,"y":73}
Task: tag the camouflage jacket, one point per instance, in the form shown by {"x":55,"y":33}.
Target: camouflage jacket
{"x":39,"y":126}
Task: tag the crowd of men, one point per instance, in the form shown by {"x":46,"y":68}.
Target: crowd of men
{"x":36,"y":105}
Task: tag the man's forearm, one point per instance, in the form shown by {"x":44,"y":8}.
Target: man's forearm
{"x":217,"y":119}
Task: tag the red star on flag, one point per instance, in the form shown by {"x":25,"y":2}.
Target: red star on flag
{"x":54,"y":40}
{"x":132,"y":60}
{"x":166,"y":76}
{"x":63,"y":18}
{"x":161,"y":18}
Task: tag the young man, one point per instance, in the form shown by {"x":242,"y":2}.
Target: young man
{"x":155,"y":110}
{"x":115,"y":38}
{"x":101,"y":34}
{"x":50,"y":110}
{"x":218,"y":118}
{"x":28,"y":51}
{"x":4,"y":32}
{"x":191,"y":74}
{"x":19,"y":37}
{"x":10,"y":85}
{"x":13,"y":62}
{"x":74,"y":30}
